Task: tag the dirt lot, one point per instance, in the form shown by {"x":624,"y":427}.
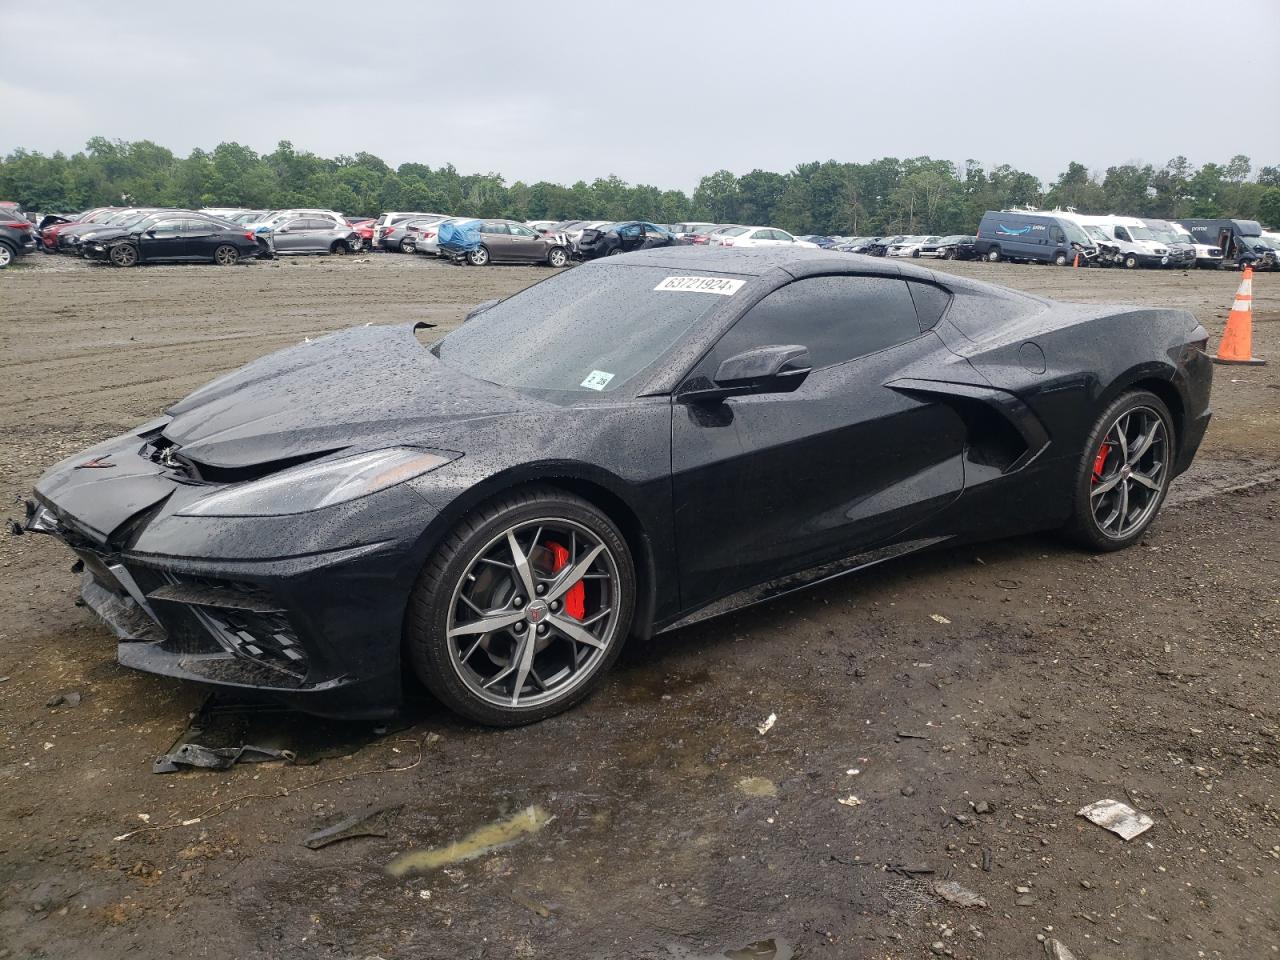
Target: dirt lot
{"x":677,"y":830}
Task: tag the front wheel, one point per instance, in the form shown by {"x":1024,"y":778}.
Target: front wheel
{"x":1060,"y":260}
{"x":124,"y":255}
{"x":340,"y":248}
{"x":478,"y":257}
{"x":1124,"y":472}
{"x":406,"y":245}
{"x":6,"y":255}
{"x":1131,"y":262}
{"x":523,"y":608}
{"x":557,"y":257}
{"x":226,"y":255}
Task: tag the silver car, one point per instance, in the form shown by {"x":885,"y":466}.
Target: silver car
{"x":312,"y":234}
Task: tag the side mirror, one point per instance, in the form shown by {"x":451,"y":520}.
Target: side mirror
{"x":773,"y":369}
{"x":282,"y":230}
{"x":479,"y":309}
{"x":151,"y":232}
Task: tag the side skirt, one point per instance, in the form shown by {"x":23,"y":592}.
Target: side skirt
{"x":802,"y":580}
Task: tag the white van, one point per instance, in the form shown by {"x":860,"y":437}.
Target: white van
{"x":1138,"y":245}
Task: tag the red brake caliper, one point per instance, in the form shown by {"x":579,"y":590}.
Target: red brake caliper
{"x":1100,"y":461}
{"x":575,"y":601}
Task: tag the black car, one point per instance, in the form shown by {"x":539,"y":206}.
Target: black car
{"x":880,"y":246}
{"x":952,"y":248}
{"x":621,"y":449}
{"x":17,"y":236}
{"x":174,"y":235}
{"x":626,"y":237}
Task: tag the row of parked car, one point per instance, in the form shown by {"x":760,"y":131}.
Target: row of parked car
{"x":126,"y":236}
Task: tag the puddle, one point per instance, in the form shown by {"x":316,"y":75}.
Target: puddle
{"x":758,"y":787}
{"x":488,"y":838}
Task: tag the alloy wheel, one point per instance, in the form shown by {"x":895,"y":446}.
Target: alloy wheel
{"x":532,"y":617}
{"x":124,"y":255}
{"x":6,"y":255}
{"x":225,"y":256}
{"x":1130,"y":471}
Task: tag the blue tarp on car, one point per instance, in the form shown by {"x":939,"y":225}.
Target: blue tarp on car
{"x":460,"y":237}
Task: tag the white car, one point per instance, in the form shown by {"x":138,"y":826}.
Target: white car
{"x":427,"y":239}
{"x":909,"y":246}
{"x":757,"y":237}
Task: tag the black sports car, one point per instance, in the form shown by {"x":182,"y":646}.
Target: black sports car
{"x":626,"y":238}
{"x":174,"y":235}
{"x":618,"y":450}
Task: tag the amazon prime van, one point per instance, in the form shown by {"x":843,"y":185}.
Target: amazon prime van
{"x":1032,"y":237}
{"x":1239,"y":240}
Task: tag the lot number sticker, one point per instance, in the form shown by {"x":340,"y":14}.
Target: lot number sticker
{"x":721,"y":285}
{"x":597,"y":380}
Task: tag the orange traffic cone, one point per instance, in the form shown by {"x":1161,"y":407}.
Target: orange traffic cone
{"x":1237,"y":341}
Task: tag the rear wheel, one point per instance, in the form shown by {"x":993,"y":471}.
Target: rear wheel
{"x":339,"y":248}
{"x":406,"y":245}
{"x":123,"y":255}
{"x":478,"y":257}
{"x":1124,"y":472}
{"x":523,"y":609}
{"x":226,"y":255}
{"x":6,"y":255}
{"x":558,"y":257}
{"x":993,"y":255}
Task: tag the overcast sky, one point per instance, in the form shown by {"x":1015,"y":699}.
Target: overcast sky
{"x":657,"y":92}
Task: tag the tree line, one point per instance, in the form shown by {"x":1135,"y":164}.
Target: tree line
{"x":890,"y":195}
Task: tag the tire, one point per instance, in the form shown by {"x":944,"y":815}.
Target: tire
{"x":6,"y":255}
{"x":226,"y":255}
{"x":557,"y":257}
{"x":123,"y":255}
{"x":1060,"y":260}
{"x":464,"y":562}
{"x":993,"y":255}
{"x":949,"y":255}
{"x":339,"y":248}
{"x":1104,"y":483}
{"x":915,"y":254}
{"x":406,"y":246}
{"x":1130,"y":262}
{"x":615,"y":252}
{"x":478,"y":257}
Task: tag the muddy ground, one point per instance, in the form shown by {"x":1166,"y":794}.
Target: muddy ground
{"x":1053,"y":679}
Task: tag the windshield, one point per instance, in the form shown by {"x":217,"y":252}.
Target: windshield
{"x":588,"y":330}
{"x":1142,"y":233}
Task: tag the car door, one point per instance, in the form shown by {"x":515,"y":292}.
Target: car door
{"x":771,"y":484}
{"x":291,"y":236}
{"x":203,"y":237}
{"x":164,"y":240}
{"x":495,"y":236}
{"x":782,"y":237}
{"x":525,"y":246}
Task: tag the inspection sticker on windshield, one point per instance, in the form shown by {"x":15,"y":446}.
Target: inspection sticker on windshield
{"x":597,"y":380}
{"x":721,"y":285}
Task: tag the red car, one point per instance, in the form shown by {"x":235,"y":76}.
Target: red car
{"x":365,"y":229}
{"x":49,"y":235}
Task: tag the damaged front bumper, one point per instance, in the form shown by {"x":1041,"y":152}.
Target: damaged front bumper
{"x":245,"y":602}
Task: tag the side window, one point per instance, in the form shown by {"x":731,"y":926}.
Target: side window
{"x":931,"y":302}
{"x":520,"y":231}
{"x":493,"y":228}
{"x":1123,"y":234}
{"x":838,"y":318}
{"x":1056,"y":235}
{"x":295,"y":224}
{"x":168,"y":227}
{"x":318,"y":223}
{"x":762,"y":235}
{"x":630,"y":230}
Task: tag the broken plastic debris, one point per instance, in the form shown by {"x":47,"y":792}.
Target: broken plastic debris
{"x":1120,"y":818}
{"x":1057,"y":950}
{"x":221,"y":758}
{"x":476,"y":844}
{"x":938,"y":618}
{"x":758,"y":787}
{"x":850,"y":801}
{"x":769,"y":721}
{"x":958,"y":894}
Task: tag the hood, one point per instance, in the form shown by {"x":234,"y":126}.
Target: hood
{"x":359,"y":389}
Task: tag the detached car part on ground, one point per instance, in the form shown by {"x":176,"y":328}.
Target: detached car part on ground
{"x":626,"y":237}
{"x":481,"y":242}
{"x":689,"y":431}
{"x":175,"y":237}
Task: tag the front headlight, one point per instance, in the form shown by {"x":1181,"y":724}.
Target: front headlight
{"x":315,"y":485}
